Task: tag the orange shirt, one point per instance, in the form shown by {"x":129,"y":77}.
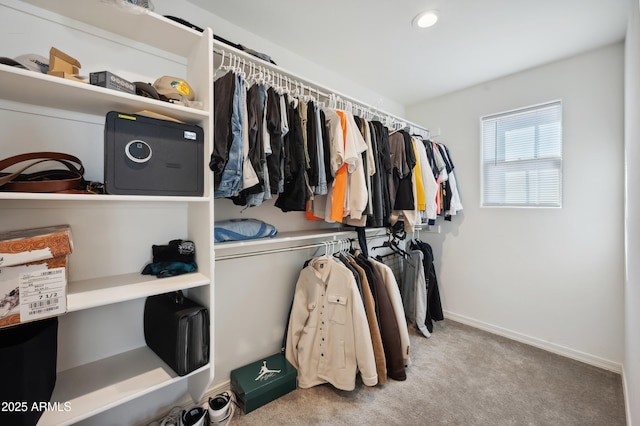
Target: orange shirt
{"x":340,"y":182}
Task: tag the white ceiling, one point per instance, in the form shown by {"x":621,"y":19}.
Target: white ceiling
{"x":474,"y":41}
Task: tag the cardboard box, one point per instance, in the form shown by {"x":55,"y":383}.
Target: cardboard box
{"x":263,"y":381}
{"x":33,"y":274}
{"x":111,"y":81}
{"x":63,"y":66}
{"x":33,"y":244}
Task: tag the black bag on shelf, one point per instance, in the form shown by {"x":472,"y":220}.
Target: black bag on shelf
{"x":257,"y":54}
{"x":28,"y":356}
{"x":177,"y":330}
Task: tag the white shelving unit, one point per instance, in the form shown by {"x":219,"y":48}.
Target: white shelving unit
{"x":54,"y":92}
{"x":105,"y":363}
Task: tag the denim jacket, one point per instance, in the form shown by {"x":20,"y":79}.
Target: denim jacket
{"x":231,"y":179}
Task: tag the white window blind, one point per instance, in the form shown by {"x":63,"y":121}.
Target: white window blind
{"x":522,"y":157}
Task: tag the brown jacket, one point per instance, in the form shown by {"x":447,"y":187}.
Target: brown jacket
{"x":388,"y":324}
{"x":372,"y":319}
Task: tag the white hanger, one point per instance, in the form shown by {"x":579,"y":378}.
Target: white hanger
{"x":221,"y":67}
{"x":235,"y":65}
{"x":294,"y":93}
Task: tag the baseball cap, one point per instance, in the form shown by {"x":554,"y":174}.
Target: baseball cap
{"x":34,"y":62}
{"x":11,"y":62}
{"x":146,"y":90}
{"x":173,"y":88}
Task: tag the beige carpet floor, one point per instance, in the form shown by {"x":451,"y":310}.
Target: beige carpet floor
{"x":462,"y":376}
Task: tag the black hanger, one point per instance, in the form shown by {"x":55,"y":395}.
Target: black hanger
{"x":396,"y":248}
{"x":393,"y":245}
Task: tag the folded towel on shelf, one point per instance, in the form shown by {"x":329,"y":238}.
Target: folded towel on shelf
{"x":242,"y":229}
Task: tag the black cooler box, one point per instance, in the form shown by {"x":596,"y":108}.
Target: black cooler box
{"x":177,"y":330}
{"x":28,"y":356}
{"x":149,"y":156}
{"x":263,"y":381}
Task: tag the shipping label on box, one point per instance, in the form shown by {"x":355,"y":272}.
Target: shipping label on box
{"x":33,"y":273}
{"x":33,"y":291}
{"x":43,"y":293}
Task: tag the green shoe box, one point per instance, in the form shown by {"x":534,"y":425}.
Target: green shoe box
{"x":262,"y":381}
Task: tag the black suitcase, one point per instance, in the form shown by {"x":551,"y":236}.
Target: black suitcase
{"x":177,"y":330}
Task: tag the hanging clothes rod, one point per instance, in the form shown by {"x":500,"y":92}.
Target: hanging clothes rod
{"x":329,"y":245}
{"x":248,"y":62}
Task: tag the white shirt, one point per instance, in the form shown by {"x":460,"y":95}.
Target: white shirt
{"x":357,"y":194}
{"x":249,"y":176}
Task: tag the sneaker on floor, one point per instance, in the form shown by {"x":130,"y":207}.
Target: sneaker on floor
{"x":194,"y":416}
{"x":221,"y":409}
{"x":225,"y":421}
{"x":173,"y":418}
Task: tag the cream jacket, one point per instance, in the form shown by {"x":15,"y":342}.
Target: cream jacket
{"x":328,"y":339}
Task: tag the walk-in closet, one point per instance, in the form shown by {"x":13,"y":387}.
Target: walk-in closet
{"x":406,"y":224}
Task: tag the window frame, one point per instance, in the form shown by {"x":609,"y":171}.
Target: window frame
{"x":559,"y":160}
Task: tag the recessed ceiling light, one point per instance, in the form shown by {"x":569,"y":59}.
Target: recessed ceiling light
{"x":426,"y":19}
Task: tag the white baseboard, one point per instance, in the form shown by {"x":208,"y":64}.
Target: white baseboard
{"x":214,"y":390}
{"x":533,"y":341}
{"x":625,"y":392}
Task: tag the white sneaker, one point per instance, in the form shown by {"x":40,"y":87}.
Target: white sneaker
{"x":226,"y":421}
{"x":194,"y":416}
{"x":221,"y":409}
{"x":173,"y":418}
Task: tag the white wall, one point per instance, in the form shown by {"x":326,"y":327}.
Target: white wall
{"x":550,"y":277}
{"x":312,"y":70}
{"x":632,"y":154}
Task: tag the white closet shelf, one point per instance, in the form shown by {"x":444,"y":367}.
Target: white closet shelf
{"x":85,"y":294}
{"x":44,"y":90}
{"x":122,"y":18}
{"x":98,"y":386}
{"x":98,"y":198}
{"x":285,"y":237}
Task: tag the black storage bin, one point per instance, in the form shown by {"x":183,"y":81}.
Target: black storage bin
{"x":28,"y":356}
{"x":177,"y":330}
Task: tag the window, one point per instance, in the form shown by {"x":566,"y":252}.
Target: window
{"x":522,"y":157}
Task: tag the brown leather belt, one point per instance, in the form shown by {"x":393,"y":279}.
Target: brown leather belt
{"x":42,"y":181}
